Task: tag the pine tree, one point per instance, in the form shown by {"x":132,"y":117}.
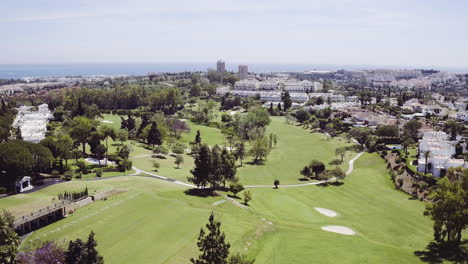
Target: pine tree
{"x":92,"y":255}
{"x":216,"y":169}
{"x":228,"y":163}
{"x":79,"y":252}
{"x":197,"y":138}
{"x":9,"y":240}
{"x":214,"y":249}
{"x":202,"y":167}
{"x":154,"y":135}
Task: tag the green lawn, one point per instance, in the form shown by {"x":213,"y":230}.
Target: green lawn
{"x":296,"y":148}
{"x":209,"y":135}
{"x":156,"y":222}
{"x":389,"y":226}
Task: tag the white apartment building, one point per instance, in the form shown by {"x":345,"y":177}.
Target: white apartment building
{"x":268,"y":86}
{"x":299,"y":97}
{"x":299,"y":87}
{"x":246,"y":85}
{"x":441,"y":150}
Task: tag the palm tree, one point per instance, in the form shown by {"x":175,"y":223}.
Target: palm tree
{"x":427,"y":154}
{"x":406,"y":143}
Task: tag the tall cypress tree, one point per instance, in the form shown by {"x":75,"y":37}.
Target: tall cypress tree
{"x":213,"y":246}
{"x":197,"y":138}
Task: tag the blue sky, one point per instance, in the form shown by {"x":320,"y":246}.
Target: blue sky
{"x":371,"y":32}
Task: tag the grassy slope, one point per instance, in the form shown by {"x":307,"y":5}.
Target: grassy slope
{"x":156,"y":222}
{"x":390,"y":227}
{"x":296,"y":148}
{"x":153,"y":223}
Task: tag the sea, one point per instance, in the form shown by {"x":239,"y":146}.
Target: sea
{"x":19,"y":71}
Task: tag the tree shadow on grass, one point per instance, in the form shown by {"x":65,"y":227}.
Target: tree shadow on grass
{"x":259,"y":162}
{"x":437,"y":252}
{"x":323,"y":184}
{"x":203,"y":193}
{"x":336,"y":183}
{"x":303,"y":179}
{"x":233,"y":196}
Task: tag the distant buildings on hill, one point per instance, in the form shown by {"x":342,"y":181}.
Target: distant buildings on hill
{"x":33,"y":124}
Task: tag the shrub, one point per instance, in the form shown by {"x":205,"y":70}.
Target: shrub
{"x":156,"y":165}
{"x":400,"y":182}
{"x":54,"y":173}
{"x":124,"y":165}
{"x":398,"y":160}
{"x":79,"y":175}
{"x":98,"y":173}
{"x":3,"y":190}
{"x":178,"y":148}
{"x":82,"y":168}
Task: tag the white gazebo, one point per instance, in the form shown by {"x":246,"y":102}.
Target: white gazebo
{"x":24,"y":184}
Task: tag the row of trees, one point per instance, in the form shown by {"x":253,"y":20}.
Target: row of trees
{"x":19,"y":158}
{"x":316,"y":169}
{"x":449,"y":207}
{"x":84,"y":101}
{"x":7,"y":115}
{"x":213,"y":167}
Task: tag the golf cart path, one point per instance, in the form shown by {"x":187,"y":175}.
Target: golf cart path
{"x":350,"y":170}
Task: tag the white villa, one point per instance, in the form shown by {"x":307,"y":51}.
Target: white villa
{"x":441,"y":150}
{"x":33,"y":124}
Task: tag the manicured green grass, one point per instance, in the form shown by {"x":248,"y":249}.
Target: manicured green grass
{"x":25,"y":203}
{"x":209,"y":135}
{"x":167,"y":166}
{"x":296,"y":148}
{"x":389,"y":226}
{"x":154,"y":222}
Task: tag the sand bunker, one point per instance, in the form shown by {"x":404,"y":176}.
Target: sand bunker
{"x":107,"y":121}
{"x":340,"y":230}
{"x":326,"y":212}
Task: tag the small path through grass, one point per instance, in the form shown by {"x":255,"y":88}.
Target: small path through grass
{"x":350,"y":169}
